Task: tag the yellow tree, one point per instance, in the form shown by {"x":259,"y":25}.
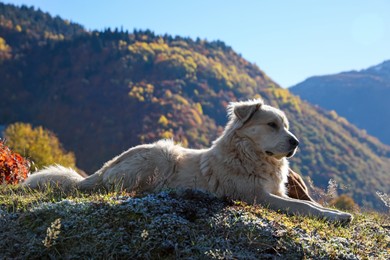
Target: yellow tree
{"x":38,"y":144}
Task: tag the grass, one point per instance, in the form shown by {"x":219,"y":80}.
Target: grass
{"x":174,"y":224}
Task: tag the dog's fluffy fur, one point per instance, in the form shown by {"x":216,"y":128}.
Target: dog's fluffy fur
{"x":247,"y":162}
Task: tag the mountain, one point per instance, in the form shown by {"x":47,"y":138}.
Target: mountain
{"x":362,"y":97}
{"x":102,"y":92}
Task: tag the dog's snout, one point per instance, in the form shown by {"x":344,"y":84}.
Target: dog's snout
{"x":294,"y":142}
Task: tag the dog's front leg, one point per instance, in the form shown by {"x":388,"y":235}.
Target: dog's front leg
{"x":305,"y":208}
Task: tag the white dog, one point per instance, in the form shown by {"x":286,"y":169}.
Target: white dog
{"x":247,"y":162}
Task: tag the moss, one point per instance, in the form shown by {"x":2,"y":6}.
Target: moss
{"x":174,"y":224}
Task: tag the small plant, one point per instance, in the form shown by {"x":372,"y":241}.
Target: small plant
{"x":384,"y":198}
{"x":344,"y":202}
{"x":13,"y":167}
{"x":52,"y":233}
{"x":332,"y":189}
{"x":324,"y":197}
{"x":329,"y":197}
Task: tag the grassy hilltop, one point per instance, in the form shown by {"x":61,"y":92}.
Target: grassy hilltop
{"x":172,"y":225}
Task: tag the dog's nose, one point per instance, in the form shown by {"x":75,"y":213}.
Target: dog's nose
{"x":294,"y":142}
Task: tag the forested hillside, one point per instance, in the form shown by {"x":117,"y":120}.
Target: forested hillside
{"x":360,"y":96}
{"x":103,"y":92}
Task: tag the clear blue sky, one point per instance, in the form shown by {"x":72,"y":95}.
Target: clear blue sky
{"x":289,"y":40}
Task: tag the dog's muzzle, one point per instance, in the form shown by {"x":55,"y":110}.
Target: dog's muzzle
{"x":293,"y":142}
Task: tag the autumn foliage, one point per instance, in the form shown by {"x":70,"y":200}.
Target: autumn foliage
{"x":13,"y":167}
{"x":344,"y":202}
{"x":40,"y":145}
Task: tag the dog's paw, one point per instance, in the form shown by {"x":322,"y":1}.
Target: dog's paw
{"x":340,"y":217}
{"x":343,"y":218}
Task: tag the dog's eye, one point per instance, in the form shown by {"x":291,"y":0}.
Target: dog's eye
{"x":273,"y":125}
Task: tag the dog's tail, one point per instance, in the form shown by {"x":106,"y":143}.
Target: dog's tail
{"x":64,"y":178}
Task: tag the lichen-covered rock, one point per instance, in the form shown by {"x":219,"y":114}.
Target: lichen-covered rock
{"x":171,"y":225}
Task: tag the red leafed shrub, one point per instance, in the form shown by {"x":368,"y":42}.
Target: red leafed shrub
{"x":13,"y":167}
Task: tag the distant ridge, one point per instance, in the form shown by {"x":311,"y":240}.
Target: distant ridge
{"x":360,"y":96}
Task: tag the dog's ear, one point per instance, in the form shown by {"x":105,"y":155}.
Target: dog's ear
{"x":245,"y":110}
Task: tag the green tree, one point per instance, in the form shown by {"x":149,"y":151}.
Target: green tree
{"x":38,"y":144}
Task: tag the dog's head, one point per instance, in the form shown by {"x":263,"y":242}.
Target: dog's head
{"x":266,"y":127}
